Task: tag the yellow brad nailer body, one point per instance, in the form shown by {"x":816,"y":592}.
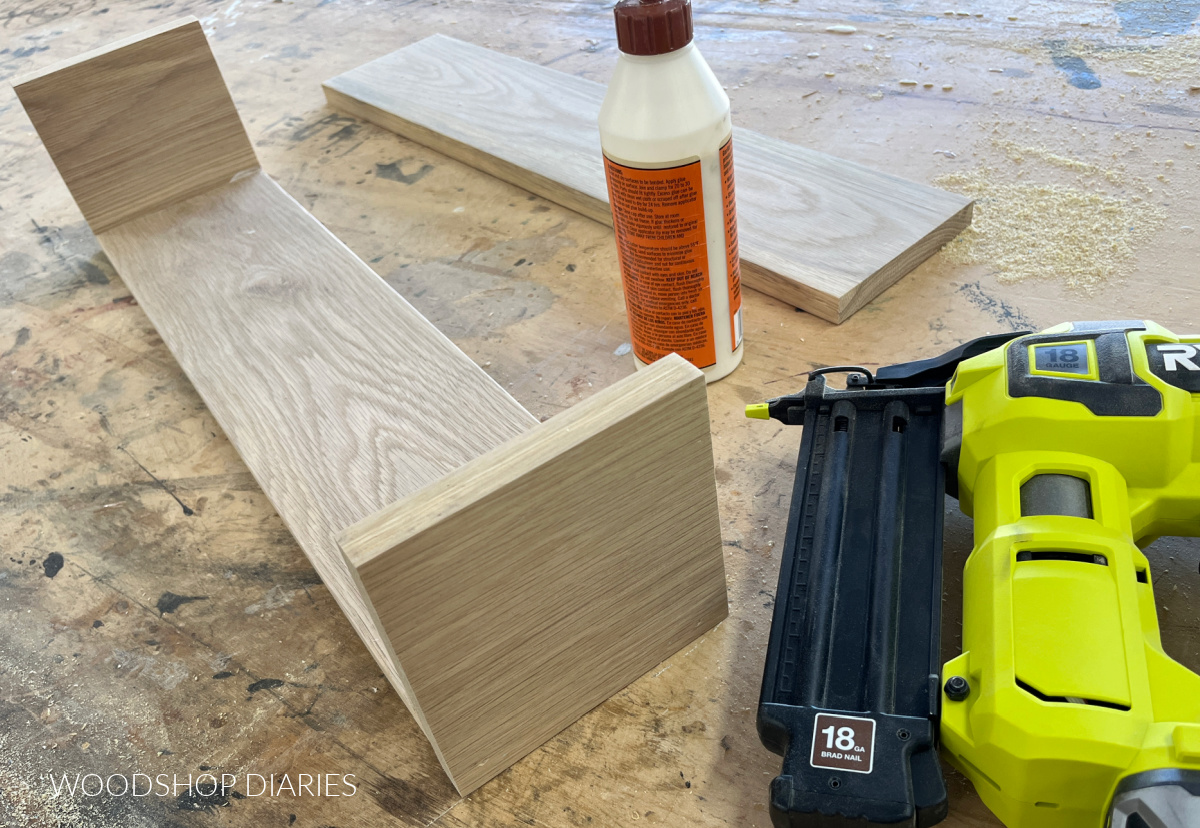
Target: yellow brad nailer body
{"x":1072,"y":449}
{"x":1075,"y":447}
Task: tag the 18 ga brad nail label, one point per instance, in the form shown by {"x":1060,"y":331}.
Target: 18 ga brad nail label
{"x":845,"y":743}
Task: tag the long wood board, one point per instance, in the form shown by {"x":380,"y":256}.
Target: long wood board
{"x":824,"y":234}
{"x":319,"y":373}
{"x":330,"y":384}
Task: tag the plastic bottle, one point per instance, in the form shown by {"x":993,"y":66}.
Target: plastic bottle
{"x":667,"y":141}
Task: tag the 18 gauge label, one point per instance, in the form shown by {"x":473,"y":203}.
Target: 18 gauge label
{"x":845,"y":743}
{"x":1062,"y":357}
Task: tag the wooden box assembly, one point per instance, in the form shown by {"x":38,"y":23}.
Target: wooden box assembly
{"x":507,"y":576}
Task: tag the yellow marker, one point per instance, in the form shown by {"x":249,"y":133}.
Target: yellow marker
{"x":758,"y":411}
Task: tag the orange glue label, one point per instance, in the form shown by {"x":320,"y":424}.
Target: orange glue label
{"x":733,"y":262}
{"x":658,"y":216}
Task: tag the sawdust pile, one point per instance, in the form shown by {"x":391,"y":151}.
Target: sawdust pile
{"x":1030,"y":230}
{"x":1050,"y":203}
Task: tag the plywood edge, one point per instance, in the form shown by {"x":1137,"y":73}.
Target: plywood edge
{"x":370,"y":539}
{"x":770,"y":282}
{"x":905,"y":263}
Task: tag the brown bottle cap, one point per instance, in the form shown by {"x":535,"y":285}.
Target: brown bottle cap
{"x":653,"y":27}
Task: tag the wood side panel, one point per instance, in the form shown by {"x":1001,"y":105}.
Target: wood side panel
{"x":512,"y":620}
{"x":140,"y":124}
{"x":821,"y":233}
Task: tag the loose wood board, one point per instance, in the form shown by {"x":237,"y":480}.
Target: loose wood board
{"x":333,"y":388}
{"x":824,"y":234}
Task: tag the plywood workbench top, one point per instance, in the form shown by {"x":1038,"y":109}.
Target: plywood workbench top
{"x":155,"y":615}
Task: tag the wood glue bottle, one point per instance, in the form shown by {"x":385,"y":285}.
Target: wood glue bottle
{"x":668,"y":157}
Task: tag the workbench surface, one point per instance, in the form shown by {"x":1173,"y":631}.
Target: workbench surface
{"x":155,"y":615}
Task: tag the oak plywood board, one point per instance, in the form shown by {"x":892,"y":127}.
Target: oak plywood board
{"x":534,"y":582}
{"x":824,"y":234}
{"x":320,"y":374}
{"x":344,"y":402}
{"x":139,"y":124}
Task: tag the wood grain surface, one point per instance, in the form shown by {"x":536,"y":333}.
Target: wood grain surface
{"x":139,"y":124}
{"x":331,"y":387}
{"x":823,"y":234}
{"x":528,"y":586}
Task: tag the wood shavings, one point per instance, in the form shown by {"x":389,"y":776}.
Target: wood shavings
{"x":1048,"y":231}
